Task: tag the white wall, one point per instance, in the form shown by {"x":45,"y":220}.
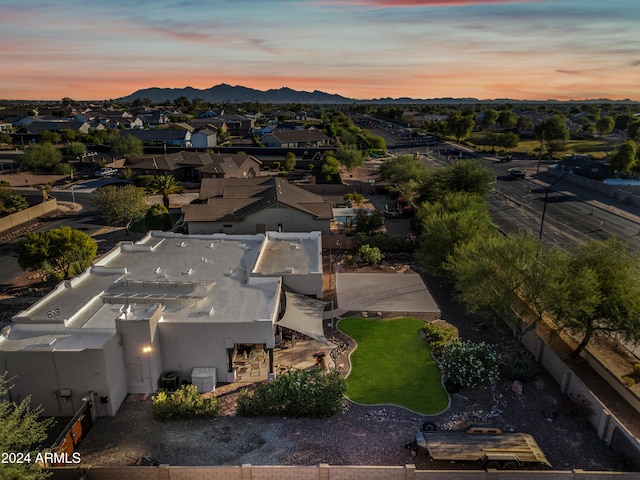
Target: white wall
{"x":186,"y":346}
{"x":43,"y":374}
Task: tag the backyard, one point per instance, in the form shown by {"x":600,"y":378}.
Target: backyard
{"x":392,"y":365}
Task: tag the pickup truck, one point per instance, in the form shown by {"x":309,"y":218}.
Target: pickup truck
{"x":487,"y":447}
{"x":106,"y":172}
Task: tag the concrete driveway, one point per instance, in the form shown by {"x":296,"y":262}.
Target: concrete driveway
{"x":384,"y":292}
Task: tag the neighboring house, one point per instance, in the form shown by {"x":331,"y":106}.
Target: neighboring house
{"x":295,"y":138}
{"x":37,"y":127}
{"x":238,"y":124}
{"x":585,"y":166}
{"x":204,"y":138}
{"x":6,"y":127}
{"x":192,"y":166}
{"x":162,"y":136}
{"x":248,"y":206}
{"x":169,"y":302}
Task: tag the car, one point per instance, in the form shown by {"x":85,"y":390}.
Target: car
{"x":515,"y":173}
{"x":106,"y":172}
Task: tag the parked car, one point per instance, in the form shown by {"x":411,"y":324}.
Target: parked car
{"x":106,"y":172}
{"x":515,"y":173}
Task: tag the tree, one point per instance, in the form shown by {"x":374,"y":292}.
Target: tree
{"x":489,"y":118}
{"x":605,"y":124}
{"x":330,"y":167}
{"x":121,"y":205}
{"x":625,"y":158}
{"x":127,"y":146}
{"x":458,"y":217}
{"x":350,"y":157}
{"x":505,"y":277}
{"x":508,"y":140}
{"x":598,"y":290}
{"x":462,"y":176}
{"x":64,"y":250}
{"x":289,"y":161}
{"x":22,"y":430}
{"x":554,"y":131}
{"x":633,"y":129}
{"x":403,"y":168}
{"x":507,"y":119}
{"x":41,"y":156}
{"x":165,"y":185}
{"x":76,"y":150}
{"x":460,"y":126}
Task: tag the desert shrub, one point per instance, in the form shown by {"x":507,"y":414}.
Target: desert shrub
{"x":143,"y":180}
{"x":629,"y":381}
{"x":355,"y":197}
{"x":370,"y":255}
{"x":184,"y":403}
{"x":636,"y":368}
{"x":311,"y":392}
{"x":157,"y":218}
{"x":521,"y":368}
{"x":470,"y":364}
{"x":437,"y":336}
{"x":349,"y":260}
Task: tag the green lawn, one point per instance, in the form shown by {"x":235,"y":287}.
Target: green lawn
{"x":392,"y":365}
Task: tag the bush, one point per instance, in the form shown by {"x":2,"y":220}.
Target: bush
{"x":184,"y":403}
{"x":143,"y":180}
{"x":310,"y":392}
{"x":355,"y":197}
{"x":157,"y":218}
{"x":636,"y":368}
{"x":469,"y":364}
{"x":437,"y":336}
{"x":630,"y":382}
{"x":520,"y":368}
{"x":370,"y":255}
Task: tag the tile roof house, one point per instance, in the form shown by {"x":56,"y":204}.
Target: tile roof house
{"x":162,"y":136}
{"x":168,"y":302}
{"x":248,"y":206}
{"x":310,"y":137}
{"x":55,"y":126}
{"x":192,"y":166}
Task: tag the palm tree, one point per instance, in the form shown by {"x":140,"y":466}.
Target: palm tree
{"x":165,"y":185}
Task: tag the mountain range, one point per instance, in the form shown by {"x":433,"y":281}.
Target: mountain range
{"x":225,"y":93}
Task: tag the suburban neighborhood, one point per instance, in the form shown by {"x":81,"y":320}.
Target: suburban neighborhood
{"x":217,"y":255}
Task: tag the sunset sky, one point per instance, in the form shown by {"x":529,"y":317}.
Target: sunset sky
{"x":363,"y":49}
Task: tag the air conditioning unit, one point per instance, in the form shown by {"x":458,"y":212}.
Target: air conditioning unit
{"x":170,"y":381}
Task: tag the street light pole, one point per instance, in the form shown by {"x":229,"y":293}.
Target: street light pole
{"x":544,"y":207}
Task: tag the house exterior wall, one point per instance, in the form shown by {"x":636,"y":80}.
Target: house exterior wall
{"x":290,"y":219}
{"x":187,"y":346}
{"x":310,"y":284}
{"x":43,"y":374}
{"x":198,"y":140}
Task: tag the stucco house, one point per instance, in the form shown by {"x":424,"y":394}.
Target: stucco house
{"x":162,"y":136}
{"x":248,"y":206}
{"x":167,"y":303}
{"x":309,"y":137}
{"x":192,"y":166}
{"x":204,"y":138}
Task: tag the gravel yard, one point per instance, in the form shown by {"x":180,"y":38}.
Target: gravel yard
{"x":361,"y":435}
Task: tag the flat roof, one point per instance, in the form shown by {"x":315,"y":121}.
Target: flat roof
{"x":195,"y":278}
{"x":287,"y":253}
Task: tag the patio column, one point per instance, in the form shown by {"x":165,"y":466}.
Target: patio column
{"x":270,"y":351}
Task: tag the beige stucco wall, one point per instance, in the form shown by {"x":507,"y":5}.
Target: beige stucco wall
{"x":291,"y":219}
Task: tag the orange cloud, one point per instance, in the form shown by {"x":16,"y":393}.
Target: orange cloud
{"x":420,"y":3}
